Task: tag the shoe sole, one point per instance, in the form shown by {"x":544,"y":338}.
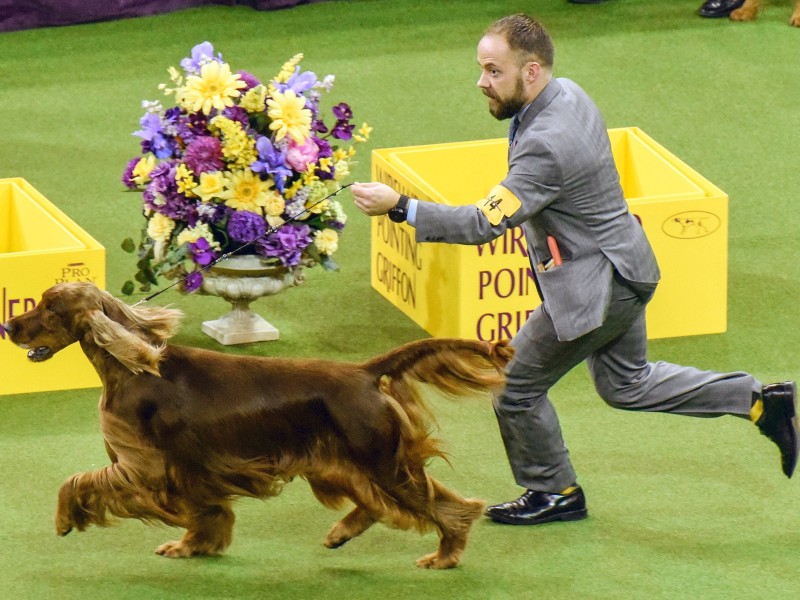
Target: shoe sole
{"x":575,"y":515}
{"x":793,"y":420}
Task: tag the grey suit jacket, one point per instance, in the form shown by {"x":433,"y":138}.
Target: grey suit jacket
{"x":562,"y":171}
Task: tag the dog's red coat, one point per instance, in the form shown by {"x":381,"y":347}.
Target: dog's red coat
{"x":188,"y":430}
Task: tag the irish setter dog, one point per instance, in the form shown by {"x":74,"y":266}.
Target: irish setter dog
{"x":188,"y":430}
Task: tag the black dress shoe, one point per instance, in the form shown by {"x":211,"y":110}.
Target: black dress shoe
{"x":779,"y":421}
{"x":533,"y":508}
{"x":718,"y":8}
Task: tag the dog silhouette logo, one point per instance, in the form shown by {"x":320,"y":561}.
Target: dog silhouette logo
{"x":691,"y":225}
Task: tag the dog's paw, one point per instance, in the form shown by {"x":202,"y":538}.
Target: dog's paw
{"x":174,"y":549}
{"x":336,"y":537}
{"x":434,"y":561}
{"x":69,"y":514}
{"x":744,"y":13}
{"x":63,"y":525}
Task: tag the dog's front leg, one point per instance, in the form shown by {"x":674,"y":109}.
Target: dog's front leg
{"x":209,"y":532}
{"x":354,"y":524}
{"x":75,"y":509}
{"x":87,"y":498}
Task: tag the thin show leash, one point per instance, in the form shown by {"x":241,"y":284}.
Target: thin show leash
{"x":245,"y":245}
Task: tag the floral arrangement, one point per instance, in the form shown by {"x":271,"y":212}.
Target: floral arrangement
{"x":239,"y":164}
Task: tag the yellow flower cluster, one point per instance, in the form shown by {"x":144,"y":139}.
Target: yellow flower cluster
{"x":254,"y":99}
{"x":237,"y":147}
{"x":192,"y":234}
{"x":288,"y":68}
{"x":185,"y":180}
{"x":160,"y":227}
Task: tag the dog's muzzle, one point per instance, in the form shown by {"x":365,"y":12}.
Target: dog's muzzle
{"x":39,"y":354}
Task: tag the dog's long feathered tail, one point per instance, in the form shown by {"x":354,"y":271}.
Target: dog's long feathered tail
{"x":455,"y":366}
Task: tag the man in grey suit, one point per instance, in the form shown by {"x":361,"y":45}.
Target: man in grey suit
{"x":595,"y":272}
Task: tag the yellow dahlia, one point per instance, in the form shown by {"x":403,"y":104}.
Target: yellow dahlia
{"x":159,"y":227}
{"x":275,"y":204}
{"x":141,"y":172}
{"x":211,"y":185}
{"x":215,"y":87}
{"x":326,"y":241}
{"x":289,"y":116}
{"x":246,"y":191}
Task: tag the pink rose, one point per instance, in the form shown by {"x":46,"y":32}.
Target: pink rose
{"x":298,"y":156}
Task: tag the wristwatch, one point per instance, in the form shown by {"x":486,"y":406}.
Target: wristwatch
{"x":399,"y":212}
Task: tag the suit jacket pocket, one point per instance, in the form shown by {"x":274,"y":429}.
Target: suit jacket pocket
{"x":576,"y":295}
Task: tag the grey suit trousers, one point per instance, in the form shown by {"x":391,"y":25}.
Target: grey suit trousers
{"x":616,"y":354}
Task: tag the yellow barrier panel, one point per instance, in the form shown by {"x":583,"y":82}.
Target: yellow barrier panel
{"x":39,"y":247}
{"x":486,"y":292}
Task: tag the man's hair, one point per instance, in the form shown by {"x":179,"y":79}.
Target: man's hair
{"x":527,"y":37}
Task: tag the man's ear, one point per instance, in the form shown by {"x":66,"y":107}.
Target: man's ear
{"x":531,"y":71}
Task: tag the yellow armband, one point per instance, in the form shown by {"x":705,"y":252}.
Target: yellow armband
{"x":501,"y":202}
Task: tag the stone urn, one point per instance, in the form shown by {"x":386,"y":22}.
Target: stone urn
{"x":240,"y":280}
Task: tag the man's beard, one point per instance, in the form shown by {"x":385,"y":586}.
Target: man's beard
{"x":507,"y":108}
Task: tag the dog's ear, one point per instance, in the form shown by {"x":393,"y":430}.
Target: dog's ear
{"x":131,"y":350}
{"x":154,"y":324}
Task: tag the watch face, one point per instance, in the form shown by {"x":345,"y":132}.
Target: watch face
{"x":398,"y":215}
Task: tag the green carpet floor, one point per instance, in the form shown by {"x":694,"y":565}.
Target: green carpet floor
{"x":679,"y":508}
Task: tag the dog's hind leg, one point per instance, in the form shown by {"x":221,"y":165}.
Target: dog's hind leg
{"x":209,"y":531}
{"x":415,"y":499}
{"x":333,"y":494}
{"x":453,"y":516}
{"x":747,"y":12}
{"x":354,"y":524}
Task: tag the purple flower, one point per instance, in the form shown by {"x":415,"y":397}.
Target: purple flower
{"x":325,"y":150}
{"x":319,"y":127}
{"x":191,"y":126}
{"x":161,"y":195}
{"x":192,"y":282}
{"x":202,"y":254}
{"x":271,"y":162}
{"x":151,"y":125}
{"x":127,"y":176}
{"x":342,"y":112}
{"x":298,"y":82}
{"x":245,"y":226}
{"x":342,"y":130}
{"x":204,"y":154}
{"x":249,"y":79}
{"x":212,"y":213}
{"x":238,"y":114}
{"x":201,"y":54}
{"x":154,"y":138}
{"x":286,"y":244}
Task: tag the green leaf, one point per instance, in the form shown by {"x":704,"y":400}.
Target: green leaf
{"x":328,"y":263}
{"x":128,"y":288}
{"x":128,"y":245}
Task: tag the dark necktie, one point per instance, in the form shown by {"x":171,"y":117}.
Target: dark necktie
{"x":512,"y":129}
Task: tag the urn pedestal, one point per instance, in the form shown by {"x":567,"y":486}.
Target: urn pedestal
{"x":240,"y":280}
